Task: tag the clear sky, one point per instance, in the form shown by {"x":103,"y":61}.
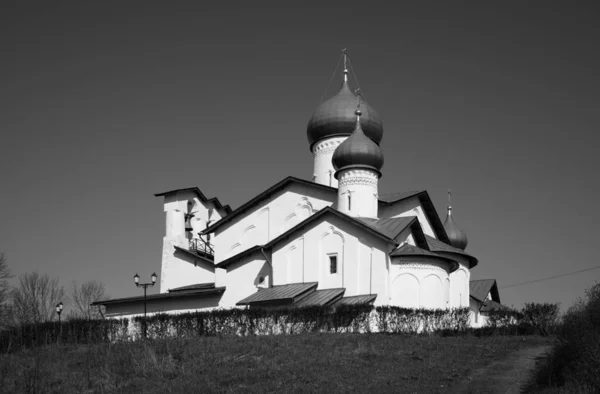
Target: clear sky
{"x":103,"y":104}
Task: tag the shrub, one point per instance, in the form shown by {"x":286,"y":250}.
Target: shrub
{"x":574,"y":360}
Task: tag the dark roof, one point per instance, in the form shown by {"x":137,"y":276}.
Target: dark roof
{"x":479,"y":289}
{"x":310,"y":219}
{"x":389,"y":199}
{"x":321,"y":297}
{"x":357,"y":151}
{"x":392,"y":227}
{"x":176,"y":294}
{"x":435,"y":245}
{"x":392,"y":198}
{"x":198,"y":255}
{"x":202,"y":197}
{"x":356,"y":300}
{"x":428,"y":207}
{"x":410,"y":250}
{"x":196,"y":286}
{"x":256,"y":200}
{"x":279,"y":294}
{"x":491,"y":305}
{"x":335,"y":117}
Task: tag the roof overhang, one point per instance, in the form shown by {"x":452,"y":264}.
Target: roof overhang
{"x":225,"y":208}
{"x":164,"y":296}
{"x":259,"y":198}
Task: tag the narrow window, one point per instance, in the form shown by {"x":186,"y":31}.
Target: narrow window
{"x":333,"y":264}
{"x":349,"y":202}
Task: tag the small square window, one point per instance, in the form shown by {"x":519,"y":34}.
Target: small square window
{"x":333,"y":264}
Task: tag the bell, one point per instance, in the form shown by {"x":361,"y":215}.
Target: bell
{"x":188,"y":222}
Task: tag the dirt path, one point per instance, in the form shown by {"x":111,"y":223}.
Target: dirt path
{"x":506,"y":376}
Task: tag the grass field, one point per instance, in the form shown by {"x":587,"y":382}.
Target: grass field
{"x":296,"y":363}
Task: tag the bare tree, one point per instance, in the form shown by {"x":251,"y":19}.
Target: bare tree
{"x":5,"y":275}
{"x":35,"y":298}
{"x":83,"y":296}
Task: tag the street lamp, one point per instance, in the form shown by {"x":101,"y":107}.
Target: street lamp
{"x":136,"y":279}
{"x":59,"y":308}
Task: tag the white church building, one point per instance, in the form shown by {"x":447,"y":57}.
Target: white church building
{"x":328,"y":240}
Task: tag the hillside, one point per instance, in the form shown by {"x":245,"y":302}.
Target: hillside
{"x":298,"y":363}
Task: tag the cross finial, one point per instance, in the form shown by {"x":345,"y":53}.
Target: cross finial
{"x":449,"y":196}
{"x":345,"y":65}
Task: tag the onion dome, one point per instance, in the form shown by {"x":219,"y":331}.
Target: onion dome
{"x":358,"y":151}
{"x":335,"y":117}
{"x":457,"y":237}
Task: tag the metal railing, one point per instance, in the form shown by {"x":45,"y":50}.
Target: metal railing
{"x":200,"y":245}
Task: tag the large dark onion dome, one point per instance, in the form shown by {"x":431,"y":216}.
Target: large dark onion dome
{"x":358,"y":151}
{"x":457,"y":237}
{"x":335,"y":117}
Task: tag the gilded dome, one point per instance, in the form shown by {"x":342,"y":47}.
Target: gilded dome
{"x":335,"y":117}
{"x":358,"y":151}
{"x":457,"y":237}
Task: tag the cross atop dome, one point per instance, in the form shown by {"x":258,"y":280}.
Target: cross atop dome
{"x":335,"y":117}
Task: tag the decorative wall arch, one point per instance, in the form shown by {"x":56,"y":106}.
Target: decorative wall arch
{"x":405,"y":291}
{"x":234,"y":249}
{"x":432,"y":292}
{"x":331,"y":243}
{"x":459,"y":291}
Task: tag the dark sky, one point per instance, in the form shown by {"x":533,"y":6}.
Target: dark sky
{"x":104,"y":103}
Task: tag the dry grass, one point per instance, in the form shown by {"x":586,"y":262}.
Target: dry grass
{"x":295,"y":363}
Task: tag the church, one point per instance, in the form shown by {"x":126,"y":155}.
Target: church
{"x":330,"y":239}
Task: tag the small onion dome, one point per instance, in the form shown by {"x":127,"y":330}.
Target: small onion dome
{"x":358,"y":151}
{"x":457,"y":237}
{"x":335,"y":117}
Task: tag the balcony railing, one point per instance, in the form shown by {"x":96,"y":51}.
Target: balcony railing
{"x":200,"y":245}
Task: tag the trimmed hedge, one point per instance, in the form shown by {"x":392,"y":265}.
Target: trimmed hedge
{"x":240,"y":322}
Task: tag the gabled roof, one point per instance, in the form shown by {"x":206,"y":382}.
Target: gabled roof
{"x":490,"y":305}
{"x":386,"y":200}
{"x":428,"y":207}
{"x":171,"y":295}
{"x":479,"y":289}
{"x":357,"y":300}
{"x":414,"y":251}
{"x":392,"y":227}
{"x":392,"y":198}
{"x":279,"y":294}
{"x":321,"y":298}
{"x":201,"y":196}
{"x":259,"y":198}
{"x":196,"y":286}
{"x":435,"y":245}
{"x":310,"y":219}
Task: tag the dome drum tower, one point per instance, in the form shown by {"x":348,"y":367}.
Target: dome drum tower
{"x":332,"y":123}
{"x":358,"y":161}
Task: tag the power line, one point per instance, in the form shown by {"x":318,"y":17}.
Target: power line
{"x":552,"y":277}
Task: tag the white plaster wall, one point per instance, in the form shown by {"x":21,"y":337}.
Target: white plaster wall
{"x":184,"y":270}
{"x":357,"y":193}
{"x":176,"y":270}
{"x":269,"y":219}
{"x":243,"y":279}
{"x":172,"y":268}
{"x":477,"y":318}
{"x":459,"y":281}
{"x":323,"y":167}
{"x":419,"y":283}
{"x":362,"y":259}
{"x":409,"y":207}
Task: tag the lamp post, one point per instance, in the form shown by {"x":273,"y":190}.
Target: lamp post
{"x":136,"y":279}
{"x":59,"y":308}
